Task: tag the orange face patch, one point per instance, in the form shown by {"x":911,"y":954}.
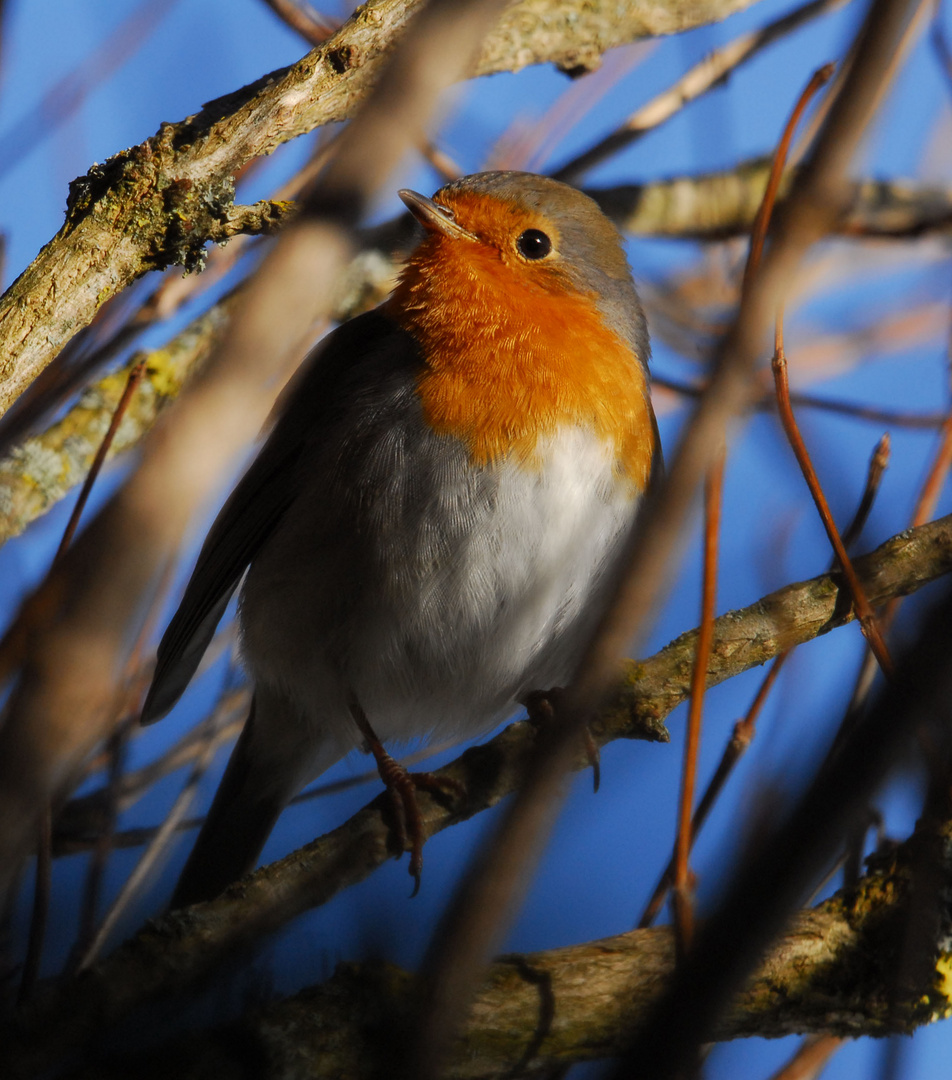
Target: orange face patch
{"x":514,"y":351}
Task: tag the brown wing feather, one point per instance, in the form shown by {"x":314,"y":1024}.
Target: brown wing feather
{"x":258,"y":502}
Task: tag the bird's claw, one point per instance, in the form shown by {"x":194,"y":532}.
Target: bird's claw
{"x":402,"y":787}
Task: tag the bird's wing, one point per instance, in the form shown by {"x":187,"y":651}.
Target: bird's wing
{"x":261,"y":498}
{"x":657,"y":458}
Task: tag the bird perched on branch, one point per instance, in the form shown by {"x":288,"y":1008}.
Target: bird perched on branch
{"x":436,"y":522}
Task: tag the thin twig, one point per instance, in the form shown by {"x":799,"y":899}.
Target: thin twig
{"x":872,"y":414}
{"x":156,"y":848}
{"x":135,"y":376}
{"x":41,"y":906}
{"x":712,"y":503}
{"x":878,"y":463}
{"x":867,"y":617}
{"x":762,"y":221}
{"x":708,"y":73}
{"x":935,"y":480}
{"x":745,"y":729}
{"x":713,"y":490}
{"x":810,"y":1059}
{"x":314,"y":28}
{"x":865,"y":614}
{"x":737,"y":745}
{"x":922,"y":512}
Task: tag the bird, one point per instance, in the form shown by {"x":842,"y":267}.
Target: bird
{"x":439,"y":516}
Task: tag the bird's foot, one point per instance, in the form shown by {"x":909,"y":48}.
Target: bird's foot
{"x":402,"y":787}
{"x":541,"y":707}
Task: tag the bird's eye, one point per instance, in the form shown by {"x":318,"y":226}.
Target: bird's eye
{"x":534,"y":244}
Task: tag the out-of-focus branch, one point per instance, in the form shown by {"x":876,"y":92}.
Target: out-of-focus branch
{"x":45,"y":467}
{"x":184,"y":946}
{"x":301,"y":17}
{"x":69,"y":93}
{"x":486,"y":897}
{"x":830,"y":973}
{"x":76,"y":631}
{"x":713,"y":69}
{"x":156,"y":204}
{"x":723,"y":204}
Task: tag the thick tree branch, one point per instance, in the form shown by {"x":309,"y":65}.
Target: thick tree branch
{"x":45,"y":467}
{"x":832,"y":972}
{"x":181,"y":949}
{"x":158,"y":203}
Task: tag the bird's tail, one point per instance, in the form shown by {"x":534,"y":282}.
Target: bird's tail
{"x":266,"y":770}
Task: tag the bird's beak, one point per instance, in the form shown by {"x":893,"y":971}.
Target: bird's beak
{"x":433,"y":217}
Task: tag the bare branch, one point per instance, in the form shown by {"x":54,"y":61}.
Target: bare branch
{"x":183,"y":947}
{"x":76,"y":630}
{"x":829,"y":974}
{"x":156,"y":204}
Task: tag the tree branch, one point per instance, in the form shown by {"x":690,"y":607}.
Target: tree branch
{"x":183,"y":947}
{"x":39,"y":472}
{"x":157,"y":204}
{"x":832,"y":972}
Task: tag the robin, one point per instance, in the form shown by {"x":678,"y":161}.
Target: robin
{"x":435,"y":524}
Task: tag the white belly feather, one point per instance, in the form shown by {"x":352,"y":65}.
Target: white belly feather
{"x":452,"y":608}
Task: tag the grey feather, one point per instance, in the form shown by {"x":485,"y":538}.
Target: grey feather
{"x":262,"y":497}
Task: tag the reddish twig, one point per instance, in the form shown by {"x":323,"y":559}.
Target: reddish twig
{"x":865,"y":614}
{"x":922,"y":512}
{"x":713,"y":489}
{"x":878,"y":463}
{"x":814,"y":1052}
{"x":135,"y":376}
{"x":737,"y":745}
{"x":761,"y":222}
{"x":314,"y":28}
{"x":935,"y":480}
{"x":745,"y":729}
{"x":676,"y":870}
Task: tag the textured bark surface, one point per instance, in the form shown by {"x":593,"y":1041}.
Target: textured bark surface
{"x":158,"y":203}
{"x":35,"y":475}
{"x":181,"y":949}
{"x":832,"y":972}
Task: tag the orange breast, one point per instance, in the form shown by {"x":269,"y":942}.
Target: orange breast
{"x":509,"y":360}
